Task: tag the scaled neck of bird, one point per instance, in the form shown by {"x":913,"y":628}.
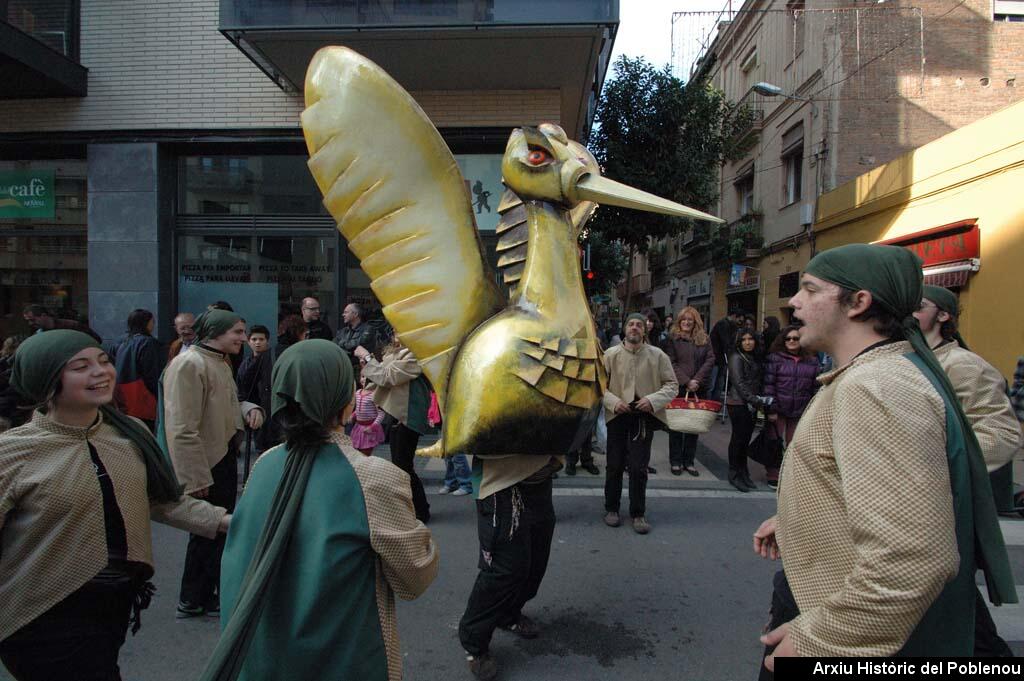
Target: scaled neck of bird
{"x":551,"y":282}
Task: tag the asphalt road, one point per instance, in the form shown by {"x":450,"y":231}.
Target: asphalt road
{"x":686,"y":601}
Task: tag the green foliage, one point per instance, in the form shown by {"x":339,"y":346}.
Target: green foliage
{"x":608,"y":262}
{"x":656,"y":134}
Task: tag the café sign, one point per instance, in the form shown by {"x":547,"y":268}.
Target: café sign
{"x":26,"y":194}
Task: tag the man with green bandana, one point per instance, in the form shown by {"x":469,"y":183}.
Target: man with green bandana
{"x":884,"y":508}
{"x":981,"y":390}
{"x":199,"y":417}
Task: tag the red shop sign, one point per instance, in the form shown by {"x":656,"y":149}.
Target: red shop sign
{"x":948,"y":243}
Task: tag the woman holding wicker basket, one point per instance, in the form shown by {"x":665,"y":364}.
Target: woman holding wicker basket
{"x":689,"y":349}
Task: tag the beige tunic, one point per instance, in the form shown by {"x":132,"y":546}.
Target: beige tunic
{"x":52,"y":534}
{"x":981,"y":390}
{"x":865,"y":512}
{"x":644,"y":372}
{"x":201,"y":414}
{"x":392,"y":377}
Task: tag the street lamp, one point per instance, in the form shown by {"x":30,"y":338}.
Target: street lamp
{"x":769,"y":90}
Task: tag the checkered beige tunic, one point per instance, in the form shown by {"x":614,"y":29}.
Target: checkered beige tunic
{"x":865,"y":512}
{"x":407,"y":557}
{"x":52,"y":534}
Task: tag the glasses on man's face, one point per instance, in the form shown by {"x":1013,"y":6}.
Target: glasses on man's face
{"x":312,"y":309}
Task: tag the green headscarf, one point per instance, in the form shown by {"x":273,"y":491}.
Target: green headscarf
{"x":213,"y":323}
{"x":38,"y":364}
{"x":316,"y":375}
{"x":946,"y":301}
{"x":894,"y":277}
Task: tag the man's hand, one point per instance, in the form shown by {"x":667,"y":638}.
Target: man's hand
{"x":783,"y":645}
{"x":644,"y":405}
{"x":621,"y":408}
{"x":693,"y":386}
{"x":254,"y":419}
{"x":224,"y":524}
{"x":764,"y":539}
{"x":201,"y":493}
{"x":361,"y":353}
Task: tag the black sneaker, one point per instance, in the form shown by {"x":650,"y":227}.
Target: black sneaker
{"x":570,"y":469}
{"x":213,"y":607}
{"x":188,"y":611}
{"x":523,"y":627}
{"x":591,"y":468}
{"x":483,"y":666}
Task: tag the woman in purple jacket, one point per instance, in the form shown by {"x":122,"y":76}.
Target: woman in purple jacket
{"x":689,"y":349}
{"x":789,"y":377}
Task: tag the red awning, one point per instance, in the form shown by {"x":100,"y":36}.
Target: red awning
{"x":950,"y":275}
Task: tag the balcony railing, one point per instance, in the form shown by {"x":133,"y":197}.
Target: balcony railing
{"x":269,"y":14}
{"x":754,"y":103}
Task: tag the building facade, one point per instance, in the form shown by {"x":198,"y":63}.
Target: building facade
{"x":166,"y":139}
{"x":835,"y":88}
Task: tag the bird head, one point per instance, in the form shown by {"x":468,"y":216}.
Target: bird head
{"x":543,"y":164}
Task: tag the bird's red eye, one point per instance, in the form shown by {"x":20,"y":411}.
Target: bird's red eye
{"x":538,"y":156}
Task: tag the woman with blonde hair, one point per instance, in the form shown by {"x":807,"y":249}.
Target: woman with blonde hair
{"x":689,"y":349}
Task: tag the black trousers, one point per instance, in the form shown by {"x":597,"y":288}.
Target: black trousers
{"x":403,"y":454}
{"x":583,"y":455}
{"x":201,"y":578}
{"x":515,"y":527}
{"x":987,"y":642}
{"x":76,"y":640}
{"x":629,"y":447}
{"x":742,"y":428}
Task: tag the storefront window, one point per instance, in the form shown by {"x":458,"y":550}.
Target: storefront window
{"x":264,"y":278}
{"x":248,"y":185}
{"x":43,"y":242}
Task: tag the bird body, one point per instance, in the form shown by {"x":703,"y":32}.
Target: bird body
{"x":519,"y":378}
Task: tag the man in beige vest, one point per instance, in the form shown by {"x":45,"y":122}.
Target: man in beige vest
{"x":201,"y":417}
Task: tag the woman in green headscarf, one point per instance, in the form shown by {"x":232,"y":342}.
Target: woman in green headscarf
{"x":79,"y":484}
{"x":322,"y":539}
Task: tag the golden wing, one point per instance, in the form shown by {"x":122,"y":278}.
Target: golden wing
{"x":393,"y":186}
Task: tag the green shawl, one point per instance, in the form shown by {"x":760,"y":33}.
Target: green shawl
{"x":38,"y":364}
{"x":893,"y":276}
{"x":316,"y":375}
{"x":947,"y":302}
{"x":213,"y":323}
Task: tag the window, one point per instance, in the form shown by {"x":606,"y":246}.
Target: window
{"x":248,"y":185}
{"x":789,"y":285}
{"x":1008,"y":10}
{"x":792,"y":164}
{"x":745,"y":191}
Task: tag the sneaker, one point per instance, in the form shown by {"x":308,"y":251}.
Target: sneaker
{"x":460,"y":492}
{"x":188,"y":611}
{"x":482,"y":667}
{"x":523,"y":627}
{"x":773,"y":484}
{"x":445,"y":489}
{"x":213,"y":607}
{"x":591,"y":468}
{"x":570,"y":469}
{"x":640,"y":525}
{"x":611,"y":519}
{"x":651,"y":470}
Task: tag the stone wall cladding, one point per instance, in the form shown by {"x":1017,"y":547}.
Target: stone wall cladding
{"x":155,"y":64}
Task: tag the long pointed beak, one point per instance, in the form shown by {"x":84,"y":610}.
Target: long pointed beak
{"x":599,"y":189}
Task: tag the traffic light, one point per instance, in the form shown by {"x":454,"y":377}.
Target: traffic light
{"x":590,"y":275}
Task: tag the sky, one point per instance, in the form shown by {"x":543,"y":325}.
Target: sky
{"x":645,"y":26}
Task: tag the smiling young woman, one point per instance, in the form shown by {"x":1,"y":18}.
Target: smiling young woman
{"x":79,"y":484}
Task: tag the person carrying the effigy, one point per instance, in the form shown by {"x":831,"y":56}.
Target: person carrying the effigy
{"x":323,"y":538}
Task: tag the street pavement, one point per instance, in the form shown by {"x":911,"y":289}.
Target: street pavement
{"x":686,"y":601}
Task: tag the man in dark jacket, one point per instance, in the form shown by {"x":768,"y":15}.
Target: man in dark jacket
{"x":354,"y":333}
{"x":723,"y":335}
{"x":254,"y":381}
{"x":315,"y":328}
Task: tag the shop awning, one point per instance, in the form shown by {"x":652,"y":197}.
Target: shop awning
{"x":951,"y":275}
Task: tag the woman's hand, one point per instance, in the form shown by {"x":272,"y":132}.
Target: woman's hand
{"x":254,"y":419}
{"x":361,"y":353}
{"x":693,"y":386}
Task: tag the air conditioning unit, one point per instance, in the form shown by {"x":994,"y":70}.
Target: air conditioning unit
{"x":807,"y":214}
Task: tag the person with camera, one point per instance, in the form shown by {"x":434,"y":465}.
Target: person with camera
{"x":743,"y":399}
{"x":641,"y":382}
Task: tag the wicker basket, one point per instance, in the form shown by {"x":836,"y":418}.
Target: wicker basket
{"x":691,"y":415}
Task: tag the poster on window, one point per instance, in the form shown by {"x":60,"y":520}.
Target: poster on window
{"x":482,"y":174}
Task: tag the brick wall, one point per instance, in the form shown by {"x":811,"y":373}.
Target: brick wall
{"x":971,"y":69}
{"x":158,"y":64}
